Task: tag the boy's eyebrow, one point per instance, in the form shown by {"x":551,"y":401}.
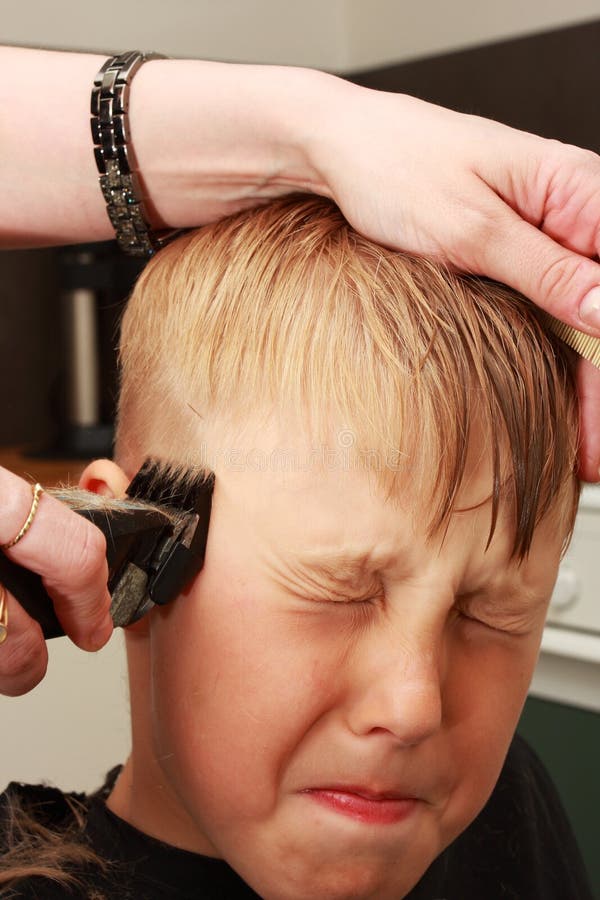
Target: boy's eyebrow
{"x":341,"y":567}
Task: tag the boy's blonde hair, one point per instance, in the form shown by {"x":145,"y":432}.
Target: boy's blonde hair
{"x":286,"y":308}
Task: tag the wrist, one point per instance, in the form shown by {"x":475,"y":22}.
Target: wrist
{"x":213,"y":138}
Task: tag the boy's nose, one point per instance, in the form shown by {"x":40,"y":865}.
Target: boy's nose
{"x":399,"y":695}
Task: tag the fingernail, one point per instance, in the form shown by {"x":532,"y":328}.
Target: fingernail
{"x":101,"y":635}
{"x":589,"y":309}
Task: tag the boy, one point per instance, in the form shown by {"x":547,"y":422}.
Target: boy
{"x":326,"y":711}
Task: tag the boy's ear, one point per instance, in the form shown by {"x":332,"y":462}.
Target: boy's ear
{"x":106,"y":478}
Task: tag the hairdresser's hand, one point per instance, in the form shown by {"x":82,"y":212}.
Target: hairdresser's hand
{"x":485,"y":198}
{"x":69,"y":554}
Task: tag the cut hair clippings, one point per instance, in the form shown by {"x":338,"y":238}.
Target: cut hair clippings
{"x":155,"y":545}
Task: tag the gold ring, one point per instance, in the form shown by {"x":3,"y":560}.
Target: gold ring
{"x":3,"y":615}
{"x":37,"y":490}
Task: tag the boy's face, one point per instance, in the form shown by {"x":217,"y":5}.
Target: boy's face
{"x":321,"y":714}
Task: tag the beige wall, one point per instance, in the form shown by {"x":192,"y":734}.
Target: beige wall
{"x":74,"y":726}
{"x":307,"y":32}
{"x":340,"y":35}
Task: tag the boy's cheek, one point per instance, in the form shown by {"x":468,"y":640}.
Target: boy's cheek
{"x":486,"y":688}
{"x":225,"y":670}
{"x":489,"y":676}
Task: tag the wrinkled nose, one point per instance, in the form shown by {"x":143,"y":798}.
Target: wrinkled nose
{"x":398,"y":694}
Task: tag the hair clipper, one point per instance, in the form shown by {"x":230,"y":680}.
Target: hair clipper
{"x":155,"y":544}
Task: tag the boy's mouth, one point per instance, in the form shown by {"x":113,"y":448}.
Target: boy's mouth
{"x":364,"y":805}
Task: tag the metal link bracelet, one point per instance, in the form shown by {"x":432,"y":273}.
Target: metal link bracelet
{"x":115,"y":158}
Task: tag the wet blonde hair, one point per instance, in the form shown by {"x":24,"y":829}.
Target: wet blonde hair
{"x":286,"y":308}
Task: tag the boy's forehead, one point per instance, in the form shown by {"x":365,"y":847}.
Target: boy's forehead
{"x":339,"y":522}
{"x":275,"y":463}
{"x":313,"y":499}
{"x":289,"y":450}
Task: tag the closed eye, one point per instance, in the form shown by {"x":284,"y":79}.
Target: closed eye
{"x":504,"y":621}
{"x":356,"y":613}
{"x":347,"y":601}
{"x":471,"y":619}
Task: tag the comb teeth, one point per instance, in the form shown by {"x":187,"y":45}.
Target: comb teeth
{"x":168,"y":484}
{"x":584,"y":344}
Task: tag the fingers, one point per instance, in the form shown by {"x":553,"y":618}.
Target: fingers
{"x":588,"y":388}
{"x":558,"y":280}
{"x":68,"y":552}
{"x":563,"y":283}
{"x":569,"y":179}
{"x":23,"y":654}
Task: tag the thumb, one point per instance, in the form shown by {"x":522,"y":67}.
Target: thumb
{"x":555,"y":278}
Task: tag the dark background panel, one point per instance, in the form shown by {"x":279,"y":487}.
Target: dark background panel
{"x":29,"y":351}
{"x":567,"y":740}
{"x":546,"y":83}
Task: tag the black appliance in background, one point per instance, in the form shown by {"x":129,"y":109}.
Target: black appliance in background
{"x":94,"y":282}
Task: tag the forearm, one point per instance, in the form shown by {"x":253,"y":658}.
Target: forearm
{"x":210,"y":138}
{"x":48,"y":183}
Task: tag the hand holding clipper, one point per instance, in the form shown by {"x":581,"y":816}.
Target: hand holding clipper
{"x":150,"y":545}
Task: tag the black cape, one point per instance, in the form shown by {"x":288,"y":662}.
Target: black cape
{"x":520,"y":847}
